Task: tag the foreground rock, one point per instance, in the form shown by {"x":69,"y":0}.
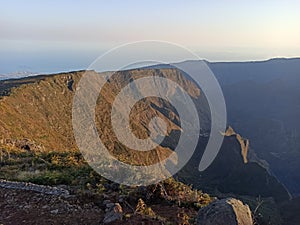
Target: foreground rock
{"x":228,"y":211}
{"x":113,"y":212}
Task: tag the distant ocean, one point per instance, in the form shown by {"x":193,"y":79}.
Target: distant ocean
{"x":28,"y":63}
{"x":21,"y":64}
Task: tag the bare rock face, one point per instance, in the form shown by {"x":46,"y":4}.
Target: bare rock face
{"x":228,"y":211}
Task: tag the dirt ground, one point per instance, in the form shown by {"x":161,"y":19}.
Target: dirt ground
{"x":27,"y":207}
{"x":20,"y":207}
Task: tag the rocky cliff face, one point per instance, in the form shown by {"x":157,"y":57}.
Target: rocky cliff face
{"x":263,"y":104}
{"x":231,"y":172}
{"x":244,"y":143}
{"x":262,"y":100}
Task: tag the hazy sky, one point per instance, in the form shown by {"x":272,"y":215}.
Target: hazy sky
{"x":216,"y":30}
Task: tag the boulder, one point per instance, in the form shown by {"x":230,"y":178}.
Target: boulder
{"x":228,"y":211}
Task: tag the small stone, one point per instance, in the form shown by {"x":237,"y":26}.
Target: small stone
{"x":55,"y":211}
{"x":109,"y":205}
{"x":26,"y":207}
{"x":114,"y":213}
{"x":106,"y":202}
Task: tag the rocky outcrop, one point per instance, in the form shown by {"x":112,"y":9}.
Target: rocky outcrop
{"x":228,"y":211}
{"x":34,"y":187}
{"x":243,"y":142}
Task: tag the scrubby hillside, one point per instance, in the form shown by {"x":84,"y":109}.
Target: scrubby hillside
{"x":39,"y":109}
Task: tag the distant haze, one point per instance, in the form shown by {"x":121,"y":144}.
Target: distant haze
{"x":40,"y":36}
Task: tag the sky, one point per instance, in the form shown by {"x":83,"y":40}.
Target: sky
{"x":50,"y":36}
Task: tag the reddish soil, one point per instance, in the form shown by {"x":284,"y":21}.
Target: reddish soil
{"x":19,"y":207}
